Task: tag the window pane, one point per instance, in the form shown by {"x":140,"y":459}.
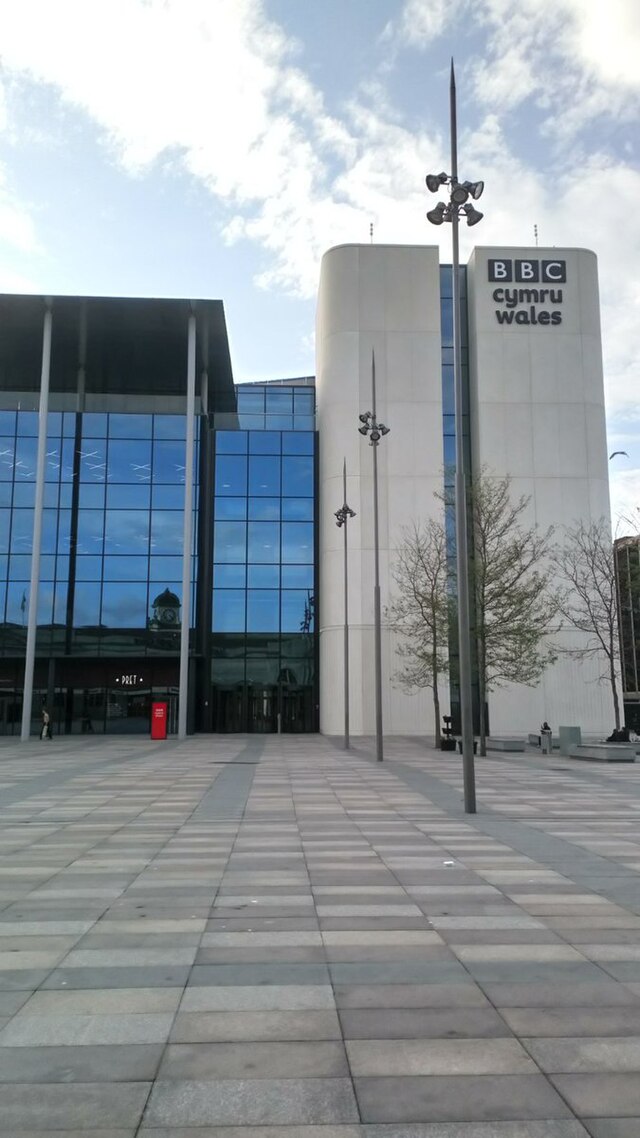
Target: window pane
{"x":228,"y":610}
{"x":264,"y":509}
{"x":94,"y":425}
{"x":126,"y":531}
{"x":264,"y":475}
{"x":230,"y":541}
{"x":21,"y":530}
{"x":26,"y":458}
{"x":297,"y":542}
{"x":297,"y":611}
{"x":28,"y":423}
{"x":129,"y":460}
{"x":231,"y":475}
{"x":297,"y":442}
{"x":123,"y":497}
{"x":297,"y":576}
{"x":6,"y":458}
{"x":5,"y":494}
{"x":264,"y":542}
{"x":262,"y":610}
{"x":7,"y":422}
{"x":168,"y":462}
{"x":297,"y":476}
{"x":125,"y":568}
{"x":232,"y":508}
{"x":264,"y":442}
{"x":24,"y":494}
{"x":90,"y":531}
{"x":263,"y":576}
{"x":304,"y":402}
{"x":93,"y":459}
{"x":297,"y":509}
{"x":251,"y":401}
{"x":124,"y":605}
{"x":231,"y":442}
{"x":91,"y":495}
{"x":165,"y":568}
{"x":86,"y":605}
{"x":166,"y":531}
{"x":168,"y":497}
{"x":280,"y":401}
{"x":170,"y":426}
{"x":229,"y":577}
{"x":129,"y":426}
{"x":278,"y":422}
{"x":20,"y":567}
{"x":88,"y":568}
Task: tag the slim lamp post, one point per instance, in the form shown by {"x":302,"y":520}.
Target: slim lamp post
{"x":187,"y":534}
{"x":375,"y":431}
{"x":342,"y":519}
{"x":458,"y":205}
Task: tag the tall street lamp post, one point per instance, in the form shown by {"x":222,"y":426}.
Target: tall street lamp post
{"x":342,"y":521}
{"x":375,"y":431}
{"x":459,"y":205}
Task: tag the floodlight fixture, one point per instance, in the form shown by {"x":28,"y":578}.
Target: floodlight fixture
{"x":434,"y":181}
{"x":473,"y":215}
{"x":438,"y":214}
{"x":459,"y":194}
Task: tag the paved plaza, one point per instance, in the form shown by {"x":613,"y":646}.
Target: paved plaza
{"x":266,"y":937}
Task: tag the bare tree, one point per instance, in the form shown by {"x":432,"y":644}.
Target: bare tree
{"x":513,"y":605}
{"x":589,"y":603}
{"x":419,"y":613}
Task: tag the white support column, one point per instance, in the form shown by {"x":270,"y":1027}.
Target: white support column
{"x":32,"y":623}
{"x":187,"y":539}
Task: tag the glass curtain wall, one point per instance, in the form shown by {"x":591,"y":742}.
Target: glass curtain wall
{"x":263,"y":669}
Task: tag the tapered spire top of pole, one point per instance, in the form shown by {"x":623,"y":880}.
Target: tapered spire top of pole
{"x":453,"y":118}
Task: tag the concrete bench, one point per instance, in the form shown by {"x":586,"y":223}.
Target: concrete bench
{"x":604,"y":752}
{"x":505,"y":745}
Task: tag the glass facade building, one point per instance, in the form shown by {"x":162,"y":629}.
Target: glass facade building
{"x":110,"y":593}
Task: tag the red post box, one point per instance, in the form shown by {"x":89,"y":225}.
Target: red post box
{"x":158,"y":720}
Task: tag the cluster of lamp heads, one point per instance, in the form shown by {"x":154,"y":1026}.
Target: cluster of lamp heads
{"x":373,"y":429}
{"x":458,"y":204}
{"x":343,"y":514}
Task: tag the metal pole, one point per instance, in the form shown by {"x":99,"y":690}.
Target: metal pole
{"x":462,"y":550}
{"x":187,"y":534}
{"x":346,"y":610}
{"x":376,"y":587}
{"x":32,"y":623}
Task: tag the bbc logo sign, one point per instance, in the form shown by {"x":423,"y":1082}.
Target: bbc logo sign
{"x":531,"y":272}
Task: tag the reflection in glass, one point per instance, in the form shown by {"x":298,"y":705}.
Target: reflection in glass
{"x":234,"y":509}
{"x":123,"y":497}
{"x":281,"y":401}
{"x":18,"y":603}
{"x":86,"y":606}
{"x":21,"y":531}
{"x":264,"y":509}
{"x":91,"y":495}
{"x":264,"y":442}
{"x":165,"y":568}
{"x":229,"y":610}
{"x":229,"y":576}
{"x":126,"y":531}
{"x":168,"y":497}
{"x":297,"y":475}
{"x":264,"y":542}
{"x":297,"y":509}
{"x":264,"y":475}
{"x":250,"y":401}
{"x":124,"y":605}
{"x":168,"y":462}
{"x":263,"y":576}
{"x":125,"y":568}
{"x":231,"y":475}
{"x":297,"y":542}
{"x":262,"y":610}
{"x":230,"y":541}
{"x":88,"y":568}
{"x":130,"y":426}
{"x":24,"y":493}
{"x":20,"y":568}
{"x":297,"y":611}
{"x":28,"y":423}
{"x":129,"y":460}
{"x":94,"y":425}
{"x":169,"y":427}
{"x":231,"y":442}
{"x":26,"y":458}
{"x":297,"y":442}
{"x":166,"y":531}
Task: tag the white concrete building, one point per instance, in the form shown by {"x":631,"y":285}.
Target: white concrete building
{"x":536,"y":412}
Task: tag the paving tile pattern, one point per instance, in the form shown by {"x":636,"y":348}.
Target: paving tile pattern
{"x":266,"y":937}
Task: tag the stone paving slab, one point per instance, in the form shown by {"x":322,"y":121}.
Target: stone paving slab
{"x":271,"y":938}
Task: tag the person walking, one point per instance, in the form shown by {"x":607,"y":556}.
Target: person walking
{"x":46,"y":725}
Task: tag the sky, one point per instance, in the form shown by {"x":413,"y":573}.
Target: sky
{"x":216,"y":148}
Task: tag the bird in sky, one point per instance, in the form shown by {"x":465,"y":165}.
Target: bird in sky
{"x":618,"y":452}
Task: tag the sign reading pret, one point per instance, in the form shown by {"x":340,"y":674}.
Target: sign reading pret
{"x":523,"y":305}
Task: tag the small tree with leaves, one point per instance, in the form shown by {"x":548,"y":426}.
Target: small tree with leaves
{"x":513,"y":605}
{"x":419,"y":611}
{"x":589,"y":601}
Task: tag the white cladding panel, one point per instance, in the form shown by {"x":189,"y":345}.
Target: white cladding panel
{"x":537,"y":401}
{"x":537,"y":412}
{"x":385,"y":300}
